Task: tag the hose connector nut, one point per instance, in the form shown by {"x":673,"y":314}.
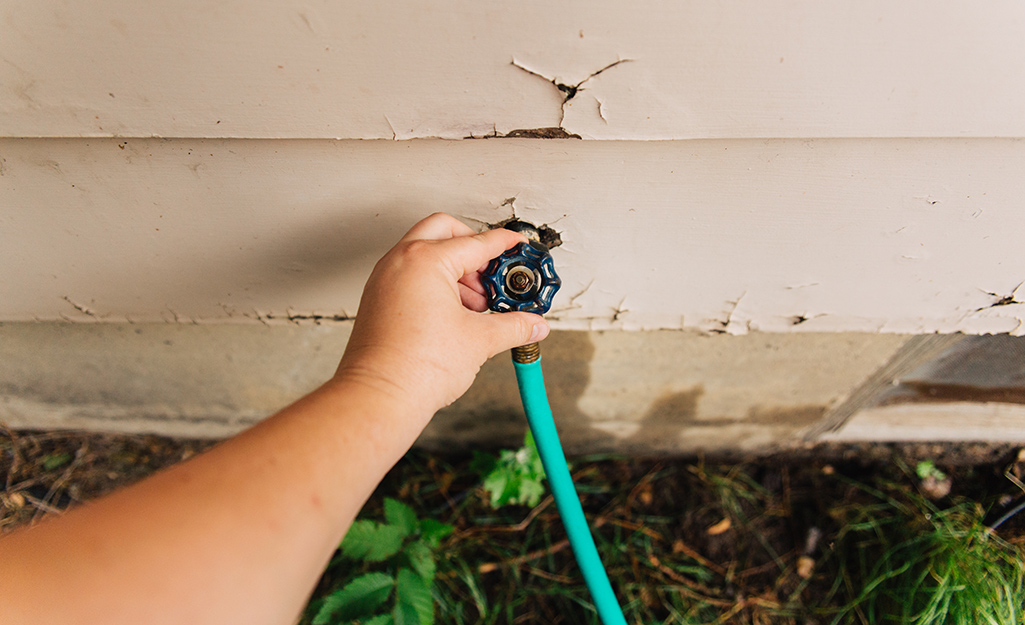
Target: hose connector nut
{"x":522,"y":279}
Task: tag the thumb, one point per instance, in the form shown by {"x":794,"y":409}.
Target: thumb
{"x":512,"y":329}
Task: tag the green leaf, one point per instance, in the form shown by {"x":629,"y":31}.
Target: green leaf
{"x":927,"y":468}
{"x":405,"y":614}
{"x":496,"y":483}
{"x":421,"y":558}
{"x":412,"y":591}
{"x":56,"y":460}
{"x":400,"y":515}
{"x":372,"y":542}
{"x":358,"y":598}
{"x":359,"y":540}
{"x":431,"y":531}
{"x":381,"y":619}
{"x":531,"y":492}
{"x":387,"y":542}
{"x":516,"y":476}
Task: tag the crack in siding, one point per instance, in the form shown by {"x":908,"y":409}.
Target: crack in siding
{"x":511,"y":203}
{"x":601,"y":112}
{"x":1003,"y":300}
{"x":292,"y":317}
{"x":552,"y":132}
{"x":178,"y":318}
{"x":295,"y":318}
{"x":618,"y":311}
{"x":569,"y":91}
{"x":572,"y":305}
{"x":549,"y":236}
{"x":80,"y":308}
{"x":555,"y":132}
{"x":306,"y":21}
{"x":394,"y":135}
{"x":725,"y":323}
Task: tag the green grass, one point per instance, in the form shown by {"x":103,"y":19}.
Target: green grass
{"x":904,"y":559}
{"x":690,"y":543}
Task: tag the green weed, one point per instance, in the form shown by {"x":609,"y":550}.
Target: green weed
{"x":381,"y":561}
{"x":927,"y":468}
{"x":515,"y":477}
{"x":684,"y":544}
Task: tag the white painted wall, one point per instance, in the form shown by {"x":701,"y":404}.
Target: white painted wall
{"x":842,"y":166}
{"x":888,"y":235}
{"x":365,"y":69}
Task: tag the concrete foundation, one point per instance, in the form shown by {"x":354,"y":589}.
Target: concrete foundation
{"x":637,"y":392}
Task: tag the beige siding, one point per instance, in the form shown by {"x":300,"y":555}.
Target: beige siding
{"x":366,"y":69}
{"x":905,"y":236}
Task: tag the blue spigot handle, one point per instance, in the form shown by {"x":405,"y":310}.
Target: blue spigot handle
{"x":522,"y":279}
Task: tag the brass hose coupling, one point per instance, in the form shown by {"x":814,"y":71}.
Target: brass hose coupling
{"x":526,"y":354}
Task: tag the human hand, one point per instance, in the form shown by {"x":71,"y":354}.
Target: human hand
{"x":421,"y":333}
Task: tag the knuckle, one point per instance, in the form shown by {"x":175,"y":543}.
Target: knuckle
{"x":416,"y":249}
{"x":438,"y":217}
{"x":413,"y":253}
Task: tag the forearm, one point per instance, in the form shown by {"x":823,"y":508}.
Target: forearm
{"x":239,"y":534}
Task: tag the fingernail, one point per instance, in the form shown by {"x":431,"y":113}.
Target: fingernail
{"x":539,"y":332}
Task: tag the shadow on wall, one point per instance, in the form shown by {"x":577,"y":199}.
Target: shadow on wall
{"x":220,"y":265}
{"x":334,"y":247}
{"x":490,"y":415}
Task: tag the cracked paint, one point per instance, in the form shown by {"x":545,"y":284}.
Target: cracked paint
{"x":1003,"y":300}
{"x":660,"y":235}
{"x":550,"y":237}
{"x":601,"y":107}
{"x":570,"y":91}
{"x":551,"y":132}
{"x":79,"y":307}
{"x":729,"y":325}
{"x":295,"y":70}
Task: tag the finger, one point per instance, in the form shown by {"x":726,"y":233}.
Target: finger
{"x":437,"y":227}
{"x":473,"y":300}
{"x":472,"y":281}
{"x":504,"y":331}
{"x":467,"y":254}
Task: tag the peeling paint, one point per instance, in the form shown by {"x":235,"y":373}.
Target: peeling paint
{"x":729,"y":325}
{"x":541,"y":133}
{"x":291,"y":70}
{"x":79,"y":307}
{"x":553,"y":132}
{"x":550,"y":237}
{"x":660,"y":235}
{"x":569,"y":91}
{"x":601,"y":112}
{"x":1003,"y":300}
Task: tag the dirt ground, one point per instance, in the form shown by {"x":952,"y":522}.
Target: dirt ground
{"x":658,"y":509}
{"x":47,"y":472}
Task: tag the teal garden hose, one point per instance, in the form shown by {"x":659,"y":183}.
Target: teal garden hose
{"x":542,"y":426}
{"x":524,"y":279}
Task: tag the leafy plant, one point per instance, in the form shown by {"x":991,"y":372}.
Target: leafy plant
{"x":515,"y":477}
{"x":55,"y":460}
{"x":402,"y":553}
{"x":927,"y":468}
